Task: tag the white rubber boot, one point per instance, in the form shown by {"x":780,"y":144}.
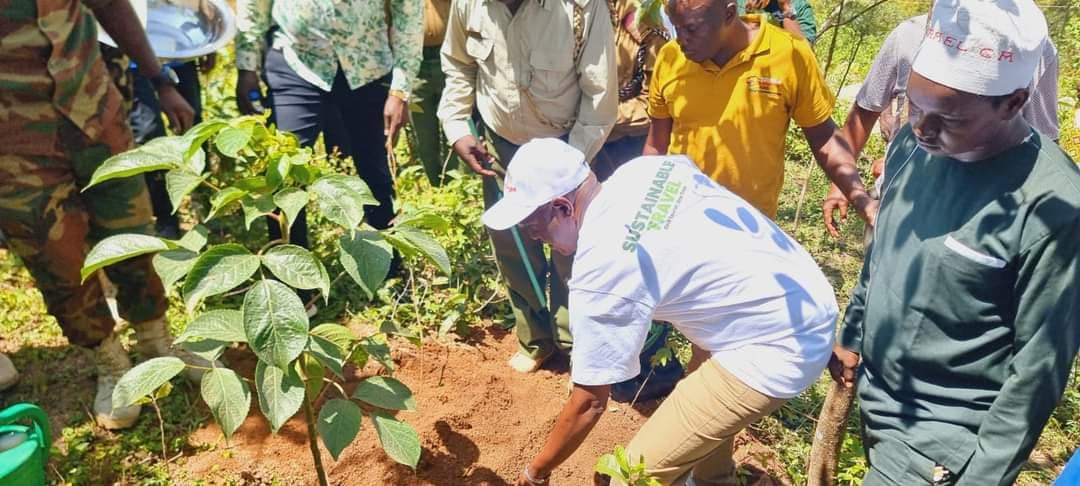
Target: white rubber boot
{"x":153,"y":340}
{"x":8,"y":374}
{"x":112,"y":363}
{"x":524,"y":363}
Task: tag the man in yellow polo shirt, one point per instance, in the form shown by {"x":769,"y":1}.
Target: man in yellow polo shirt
{"x":723,"y":93}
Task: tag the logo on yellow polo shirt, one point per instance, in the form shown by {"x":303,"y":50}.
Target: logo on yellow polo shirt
{"x":761,"y":84}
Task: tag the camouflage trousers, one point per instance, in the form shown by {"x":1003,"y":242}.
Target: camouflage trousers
{"x":51,"y":224}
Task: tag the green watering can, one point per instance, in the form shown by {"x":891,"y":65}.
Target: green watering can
{"x":23,"y":449}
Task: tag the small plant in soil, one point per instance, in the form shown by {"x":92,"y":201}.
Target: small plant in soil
{"x":248,"y":293}
{"x":618,"y":466}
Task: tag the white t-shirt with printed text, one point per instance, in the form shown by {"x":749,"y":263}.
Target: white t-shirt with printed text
{"x":662,"y":241}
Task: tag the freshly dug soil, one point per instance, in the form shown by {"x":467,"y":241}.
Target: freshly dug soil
{"x":479,"y":422}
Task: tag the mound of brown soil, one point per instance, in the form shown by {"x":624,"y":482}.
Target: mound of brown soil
{"x":479,"y":422}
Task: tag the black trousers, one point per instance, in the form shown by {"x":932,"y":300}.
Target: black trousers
{"x":146,"y":125}
{"x":352,"y":121}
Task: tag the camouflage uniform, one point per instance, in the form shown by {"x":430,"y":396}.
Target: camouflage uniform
{"x":60,"y":118}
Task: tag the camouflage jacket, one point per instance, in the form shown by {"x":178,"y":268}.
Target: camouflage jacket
{"x":50,"y":70}
{"x":318,"y":36}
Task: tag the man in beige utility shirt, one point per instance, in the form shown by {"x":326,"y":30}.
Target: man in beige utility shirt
{"x":531,"y":69}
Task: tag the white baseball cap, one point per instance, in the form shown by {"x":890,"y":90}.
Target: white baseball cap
{"x":983,"y":47}
{"x":541,"y":170}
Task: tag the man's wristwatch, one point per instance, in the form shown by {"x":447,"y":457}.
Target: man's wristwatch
{"x":165,"y":77}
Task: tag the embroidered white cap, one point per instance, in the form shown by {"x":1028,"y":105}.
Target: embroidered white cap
{"x":541,"y":170}
{"x":984,"y":47}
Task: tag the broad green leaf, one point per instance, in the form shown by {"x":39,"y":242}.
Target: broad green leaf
{"x":255,"y":207}
{"x":280,"y":393}
{"x":143,"y":379}
{"x":159,"y":154}
{"x":339,"y":422}
{"x":119,"y":248}
{"x":196,"y":161}
{"x":398,"y":439}
{"x":377,"y":347}
{"x":413,"y":241}
{"x":277,"y":170}
{"x":218,"y":270}
{"x":328,"y":354}
{"x":609,"y":466}
{"x":231,"y":140}
{"x":219,"y":324}
{"x":304,"y":174}
{"x":313,"y":373}
{"x":172,"y":265}
{"x":197,"y":135}
{"x":228,"y":397}
{"x":291,"y":200}
{"x":195,"y":239}
{"x":449,"y":322}
{"x":297,"y":267}
{"x":223,"y":199}
{"x":275,"y":323}
{"x":366,"y":256}
{"x":425,"y":219}
{"x":208,"y":349}
{"x":385,"y":392}
{"x":342,"y":199}
{"x":341,"y":336}
{"x":252,"y":184}
{"x":180,"y":183}
{"x":359,"y":357}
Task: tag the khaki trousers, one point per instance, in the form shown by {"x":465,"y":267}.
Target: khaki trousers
{"x":692,"y":433}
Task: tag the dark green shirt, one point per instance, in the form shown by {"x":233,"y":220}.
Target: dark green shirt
{"x":804,"y":15}
{"x":967,"y":312}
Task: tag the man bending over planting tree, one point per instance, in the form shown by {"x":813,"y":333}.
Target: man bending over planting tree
{"x":660,"y":240}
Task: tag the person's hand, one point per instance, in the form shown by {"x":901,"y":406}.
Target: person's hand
{"x":395,"y":113}
{"x":878,"y":167}
{"x":523,"y":478}
{"x":842,"y":366}
{"x":207,"y":62}
{"x":752,"y":5}
{"x":833,"y":202}
{"x":469,"y":149}
{"x":246,"y":82}
{"x":180,"y":114}
{"x":868,"y":209}
{"x":785,"y":6}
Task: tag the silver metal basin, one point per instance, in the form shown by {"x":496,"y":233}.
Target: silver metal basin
{"x":187,"y":29}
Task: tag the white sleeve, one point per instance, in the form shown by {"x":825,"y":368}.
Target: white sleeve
{"x":877,"y":90}
{"x":1041,"y":109}
{"x":609,"y":332}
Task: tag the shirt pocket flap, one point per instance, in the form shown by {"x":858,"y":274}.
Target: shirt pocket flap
{"x":478,"y":47}
{"x":546,"y":60}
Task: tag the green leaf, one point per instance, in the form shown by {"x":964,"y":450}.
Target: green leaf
{"x":377,"y":347}
{"x":449,"y":322}
{"x":220,"y":324}
{"x":228,"y":397}
{"x":256,"y":207}
{"x":252,"y":184}
{"x":172,"y":265}
{"x":328,"y":354}
{"x":366,"y":257}
{"x":342,"y":199}
{"x":398,"y":439}
{"x":223,"y":199}
{"x":180,"y":183}
{"x":277,"y":170}
{"x":195,"y":239}
{"x":291,"y":200}
{"x":218,"y":270}
{"x":231,"y":140}
{"x":275,"y":323}
{"x":424,"y":219}
{"x":385,"y":392}
{"x":413,"y":241}
{"x":341,"y":336}
{"x":297,"y":267}
{"x":143,"y":379}
{"x":208,"y":349}
{"x":119,"y":248}
{"x":313,"y":374}
{"x":339,"y":422}
{"x":609,"y":466}
{"x":280,"y":393}
{"x":304,"y":174}
{"x":197,"y":135}
{"x":158,"y":154}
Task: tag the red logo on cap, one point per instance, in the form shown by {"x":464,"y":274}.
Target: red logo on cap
{"x":967,"y":46}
